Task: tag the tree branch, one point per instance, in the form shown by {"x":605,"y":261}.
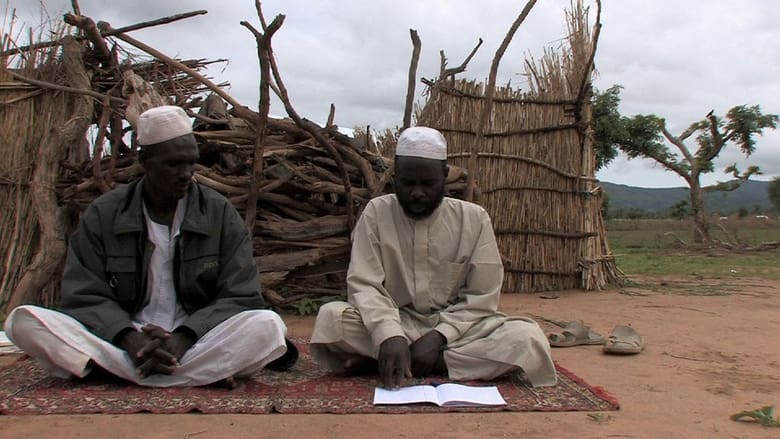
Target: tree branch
{"x":83,"y":91}
{"x":145,"y":24}
{"x":677,"y":142}
{"x":717,"y":140}
{"x":106,"y":27}
{"x":462,"y":68}
{"x":416,"y":45}
{"x":281,"y":90}
{"x":263,"y":55}
{"x":489,"y":93}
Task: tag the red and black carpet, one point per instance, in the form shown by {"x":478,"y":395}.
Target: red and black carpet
{"x":26,"y":389}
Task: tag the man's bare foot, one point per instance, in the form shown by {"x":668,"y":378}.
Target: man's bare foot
{"x":360,"y":365}
{"x":229,"y":383}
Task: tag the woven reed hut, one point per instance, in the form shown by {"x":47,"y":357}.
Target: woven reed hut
{"x":67,"y":106}
{"x":533,"y":153}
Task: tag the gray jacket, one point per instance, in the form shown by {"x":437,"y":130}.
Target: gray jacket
{"x":104,"y":282}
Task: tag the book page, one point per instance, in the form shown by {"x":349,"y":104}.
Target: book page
{"x":452,"y":395}
{"x":406,"y":395}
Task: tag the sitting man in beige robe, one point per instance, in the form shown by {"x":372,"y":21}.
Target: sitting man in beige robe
{"x":423,"y":286}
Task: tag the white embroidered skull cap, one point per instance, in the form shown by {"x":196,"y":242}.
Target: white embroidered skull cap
{"x":163,"y":123}
{"x":421,"y":142}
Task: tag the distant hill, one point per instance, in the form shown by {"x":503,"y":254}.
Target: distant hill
{"x":659,"y":200}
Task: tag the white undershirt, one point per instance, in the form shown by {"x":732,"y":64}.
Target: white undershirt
{"x":163,"y":309}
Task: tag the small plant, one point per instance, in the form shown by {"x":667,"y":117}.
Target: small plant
{"x":764,"y":416}
{"x":599,"y":417}
{"x":309,"y":306}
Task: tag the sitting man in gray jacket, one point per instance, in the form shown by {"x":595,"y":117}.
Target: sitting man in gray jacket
{"x":160,"y":285}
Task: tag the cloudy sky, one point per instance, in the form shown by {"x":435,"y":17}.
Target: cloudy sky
{"x":676,"y":59}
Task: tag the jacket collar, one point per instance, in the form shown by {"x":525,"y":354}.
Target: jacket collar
{"x":130,"y":217}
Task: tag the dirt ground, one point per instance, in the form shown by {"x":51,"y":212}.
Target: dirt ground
{"x":706,"y":357}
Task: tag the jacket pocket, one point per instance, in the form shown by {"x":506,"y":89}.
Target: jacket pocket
{"x":122,"y":276}
{"x":199,"y":279}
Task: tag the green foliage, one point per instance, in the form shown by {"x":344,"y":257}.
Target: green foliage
{"x":742,"y":212}
{"x":774,"y":192}
{"x":309,"y":306}
{"x":606,"y":125}
{"x":679,"y":210}
{"x":743,"y":122}
{"x":647,"y":136}
{"x":764,"y":416}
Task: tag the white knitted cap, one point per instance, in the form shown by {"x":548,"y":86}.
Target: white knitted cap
{"x":422,"y":142}
{"x":163,"y":123}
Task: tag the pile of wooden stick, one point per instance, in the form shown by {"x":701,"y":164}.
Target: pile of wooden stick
{"x":302,"y":226}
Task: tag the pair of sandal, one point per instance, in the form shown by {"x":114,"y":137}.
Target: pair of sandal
{"x":622,"y":340}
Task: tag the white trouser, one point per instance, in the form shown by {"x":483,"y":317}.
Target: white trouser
{"x":239,"y":346}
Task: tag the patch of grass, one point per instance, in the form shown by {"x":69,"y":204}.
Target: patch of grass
{"x":643,"y":247}
{"x":764,"y":416}
{"x":765,"y":265}
{"x":679,"y":288}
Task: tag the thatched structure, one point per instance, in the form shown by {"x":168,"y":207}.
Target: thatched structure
{"x":533,"y":153}
{"x":67,"y":107}
{"x":299,"y":186}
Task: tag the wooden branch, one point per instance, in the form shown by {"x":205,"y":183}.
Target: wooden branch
{"x":683,"y":243}
{"x":462,"y":68}
{"x":225,"y":189}
{"x":106,"y":27}
{"x":331,"y":116}
{"x":678,"y":143}
{"x":52,"y":149}
{"x":527,"y":160}
{"x":548,"y":272}
{"x":23,"y":97}
{"x":489,"y":93}
{"x":291,"y":260}
{"x":586,"y":74}
{"x":530,"y":188}
{"x":151,"y":23}
{"x":565,"y":235}
{"x":317,"y":228}
{"x":263,"y":55}
{"x":315,"y":132}
{"x":504,"y":100}
{"x":363,"y":165}
{"x":49,"y":85}
{"x":92,"y":33}
{"x":97,"y":153}
{"x":416,"y":46}
{"x":717,"y":140}
{"x":74,"y":4}
{"x":514,"y":132}
{"x":225,"y":135}
{"x":120,"y":30}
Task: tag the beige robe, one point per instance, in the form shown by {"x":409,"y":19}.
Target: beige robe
{"x":444,"y":272}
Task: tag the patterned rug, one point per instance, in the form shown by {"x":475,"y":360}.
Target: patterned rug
{"x":25,"y":389}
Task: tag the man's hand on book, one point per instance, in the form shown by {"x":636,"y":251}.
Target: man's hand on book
{"x":394,"y":362}
{"x":426,"y":351}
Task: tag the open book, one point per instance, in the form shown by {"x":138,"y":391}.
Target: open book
{"x":443,"y":395}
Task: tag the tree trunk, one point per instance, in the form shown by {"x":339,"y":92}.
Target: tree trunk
{"x":52,"y":150}
{"x":700,"y":221}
